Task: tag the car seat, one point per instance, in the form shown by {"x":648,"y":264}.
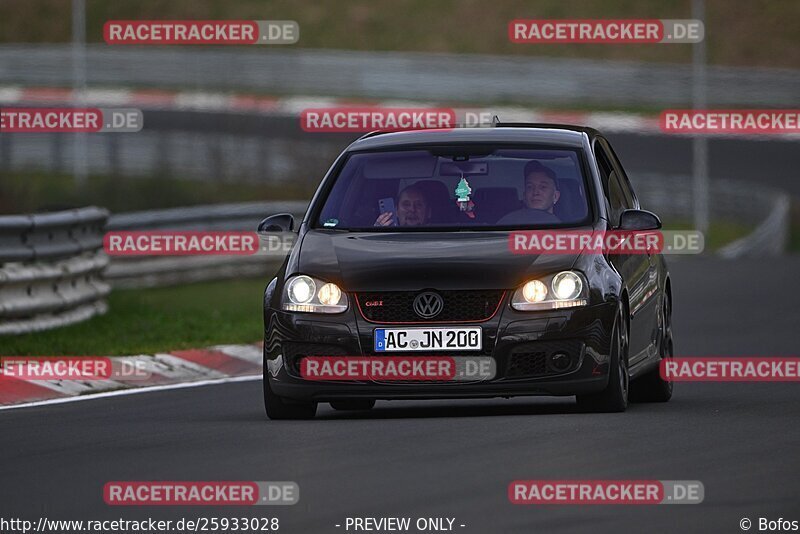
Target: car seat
{"x":571,"y":206}
{"x":443,"y":208}
{"x":493,"y":203}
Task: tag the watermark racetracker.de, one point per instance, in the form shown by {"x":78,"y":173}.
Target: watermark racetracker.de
{"x":201,"y":32}
{"x":70,"y":120}
{"x":605,"y":31}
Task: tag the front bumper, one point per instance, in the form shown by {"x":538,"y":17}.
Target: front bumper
{"x":519,"y":343}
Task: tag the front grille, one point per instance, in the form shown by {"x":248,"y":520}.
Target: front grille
{"x":294,"y":352}
{"x":531,"y":359}
{"x":459,"y":306}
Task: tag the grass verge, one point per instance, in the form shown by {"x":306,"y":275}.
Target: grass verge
{"x":156,"y":320}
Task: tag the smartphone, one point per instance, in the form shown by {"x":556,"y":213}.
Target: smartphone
{"x":386,"y":205}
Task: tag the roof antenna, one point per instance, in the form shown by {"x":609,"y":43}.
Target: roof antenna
{"x":495,"y":120}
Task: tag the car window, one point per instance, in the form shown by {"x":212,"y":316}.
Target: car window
{"x":618,"y":201}
{"x":450,"y":187}
{"x":624,"y":183}
{"x":604,"y":167}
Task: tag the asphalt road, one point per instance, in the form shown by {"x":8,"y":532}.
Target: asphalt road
{"x":772,"y":162}
{"x":452,"y":458}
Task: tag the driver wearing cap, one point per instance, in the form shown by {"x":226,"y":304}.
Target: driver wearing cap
{"x":540,"y":196}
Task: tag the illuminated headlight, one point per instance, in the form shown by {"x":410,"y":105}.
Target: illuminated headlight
{"x":566,"y":289}
{"x":567,"y":285}
{"x":330,"y":294}
{"x":306,"y":294}
{"x":534,"y":291}
{"x":301,"y":290}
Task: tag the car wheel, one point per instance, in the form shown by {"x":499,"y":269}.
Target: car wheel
{"x":615,"y":397}
{"x":278,"y":407}
{"x":651,"y":387}
{"x":353,"y":404}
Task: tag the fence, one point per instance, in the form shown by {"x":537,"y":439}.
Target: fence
{"x":50,"y":267}
{"x":770,"y":236}
{"x":132,"y":271}
{"x":762,"y":208}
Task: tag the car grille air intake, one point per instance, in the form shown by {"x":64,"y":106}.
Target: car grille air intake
{"x":397,"y":307}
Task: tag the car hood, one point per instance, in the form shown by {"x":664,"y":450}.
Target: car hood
{"x":411,"y":261}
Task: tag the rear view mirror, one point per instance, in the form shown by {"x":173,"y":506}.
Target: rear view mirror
{"x":282,"y":222}
{"x":460,"y":168}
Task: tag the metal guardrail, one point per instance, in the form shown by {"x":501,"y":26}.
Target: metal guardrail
{"x":769,"y":238}
{"x":198,"y":146}
{"x":387,"y":75}
{"x":139,"y":271}
{"x":763,"y":208}
{"x":240,"y":216}
{"x":50,"y":267}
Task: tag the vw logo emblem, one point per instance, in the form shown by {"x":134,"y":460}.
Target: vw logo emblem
{"x":428,"y":305}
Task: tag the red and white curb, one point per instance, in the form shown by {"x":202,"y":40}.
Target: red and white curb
{"x":617,"y":122}
{"x":184,"y":368}
{"x":294,"y":105}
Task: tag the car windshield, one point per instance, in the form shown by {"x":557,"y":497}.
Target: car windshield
{"x":454,"y":188}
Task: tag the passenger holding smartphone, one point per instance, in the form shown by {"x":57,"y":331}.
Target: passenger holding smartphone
{"x":412,"y":209}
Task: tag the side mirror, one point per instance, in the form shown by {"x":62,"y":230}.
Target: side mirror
{"x":282,"y":222}
{"x":639,"y":220}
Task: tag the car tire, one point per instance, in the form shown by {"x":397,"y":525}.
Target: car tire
{"x":651,"y":387}
{"x":615,"y":397}
{"x":279,"y":408}
{"x":353,"y":404}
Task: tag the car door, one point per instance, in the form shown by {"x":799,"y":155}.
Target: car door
{"x":638,"y":271}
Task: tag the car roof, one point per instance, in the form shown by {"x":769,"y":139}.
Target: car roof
{"x":547,"y":134}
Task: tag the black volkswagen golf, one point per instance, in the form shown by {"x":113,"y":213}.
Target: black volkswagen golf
{"x":405,"y":252}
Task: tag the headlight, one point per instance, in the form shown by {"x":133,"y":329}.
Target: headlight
{"x":330,"y":294}
{"x":301,"y":289}
{"x":566,"y":289}
{"x":306,"y":294}
{"x":534,"y":291}
{"x":567,"y":285}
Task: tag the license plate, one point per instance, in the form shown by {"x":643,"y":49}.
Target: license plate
{"x":427,"y":339}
